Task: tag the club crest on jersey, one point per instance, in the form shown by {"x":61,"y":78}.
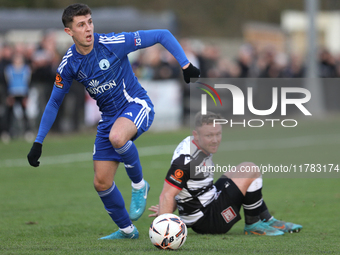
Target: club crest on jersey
{"x":104,"y":64}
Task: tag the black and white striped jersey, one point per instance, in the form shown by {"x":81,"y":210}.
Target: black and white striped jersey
{"x":187,"y":173}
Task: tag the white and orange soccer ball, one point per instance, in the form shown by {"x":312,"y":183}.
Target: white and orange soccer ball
{"x":168,"y":231}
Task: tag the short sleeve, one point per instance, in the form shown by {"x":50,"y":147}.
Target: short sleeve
{"x":178,"y":175}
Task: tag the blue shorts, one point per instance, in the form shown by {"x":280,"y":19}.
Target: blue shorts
{"x":141,"y":115}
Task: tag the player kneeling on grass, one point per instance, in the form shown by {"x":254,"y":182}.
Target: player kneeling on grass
{"x":213,"y":208}
{"x":100,"y":63}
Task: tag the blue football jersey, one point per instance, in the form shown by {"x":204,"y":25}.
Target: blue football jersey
{"x":106,"y":72}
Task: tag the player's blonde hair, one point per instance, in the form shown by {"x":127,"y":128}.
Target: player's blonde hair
{"x":206,"y":119}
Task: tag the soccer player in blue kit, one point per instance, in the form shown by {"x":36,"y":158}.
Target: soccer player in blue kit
{"x":100,"y":63}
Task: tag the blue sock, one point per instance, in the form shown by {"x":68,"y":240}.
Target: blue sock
{"x":115,"y":206}
{"x":130,"y":157}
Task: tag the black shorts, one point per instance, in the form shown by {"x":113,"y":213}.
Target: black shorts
{"x":223,"y":212}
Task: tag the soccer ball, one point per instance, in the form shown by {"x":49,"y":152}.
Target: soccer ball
{"x":168,"y":231}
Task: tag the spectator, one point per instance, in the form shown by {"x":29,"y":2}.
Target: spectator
{"x":18,"y":76}
{"x":245,"y":61}
{"x":5,"y":59}
{"x":295,"y":68}
{"x":327,"y":64}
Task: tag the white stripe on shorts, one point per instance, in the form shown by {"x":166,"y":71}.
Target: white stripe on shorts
{"x":144,"y":112}
{"x":140,"y":118}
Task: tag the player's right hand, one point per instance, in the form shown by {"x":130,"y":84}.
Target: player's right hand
{"x":155,"y":209}
{"x":34,"y":154}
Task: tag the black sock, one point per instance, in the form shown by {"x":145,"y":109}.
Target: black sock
{"x":254,"y":207}
{"x":251,"y":206}
{"x":264,"y":213}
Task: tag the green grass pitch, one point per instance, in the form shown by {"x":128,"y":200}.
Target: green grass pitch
{"x":54,"y":209}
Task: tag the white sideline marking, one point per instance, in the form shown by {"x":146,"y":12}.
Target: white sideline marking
{"x":282,"y":143}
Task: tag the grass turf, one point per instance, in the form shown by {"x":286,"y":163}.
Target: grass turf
{"x":53,"y":209}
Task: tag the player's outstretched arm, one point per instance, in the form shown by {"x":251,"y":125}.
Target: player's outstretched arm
{"x":167,"y":202}
{"x":46,"y":123}
{"x":168,"y":41}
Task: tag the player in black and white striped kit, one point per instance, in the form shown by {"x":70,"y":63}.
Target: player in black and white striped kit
{"x":213,"y":208}
{"x":197,"y":192}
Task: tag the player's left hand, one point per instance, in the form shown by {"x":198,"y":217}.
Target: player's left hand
{"x":191,"y":72}
{"x":154,"y":208}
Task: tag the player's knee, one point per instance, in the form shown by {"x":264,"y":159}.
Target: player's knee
{"x":250,"y":170}
{"x":101,"y":185}
{"x":116,"y":140}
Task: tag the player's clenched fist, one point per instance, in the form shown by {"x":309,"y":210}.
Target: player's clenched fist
{"x":191,"y":72}
{"x":34,"y":154}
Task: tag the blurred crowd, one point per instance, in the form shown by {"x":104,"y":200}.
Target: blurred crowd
{"x":27,"y":73}
{"x":248,"y":62}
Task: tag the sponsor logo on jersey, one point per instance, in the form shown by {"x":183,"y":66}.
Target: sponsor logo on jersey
{"x":94,"y":87}
{"x":178,"y":174}
{"x":172,"y":177}
{"x":94,"y":83}
{"x":104,"y":64}
{"x":59,"y":81}
{"x":138,"y":40}
{"x":228,"y":214}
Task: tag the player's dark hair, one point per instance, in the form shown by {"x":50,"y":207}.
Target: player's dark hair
{"x":206,"y":119}
{"x":74,"y":10}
